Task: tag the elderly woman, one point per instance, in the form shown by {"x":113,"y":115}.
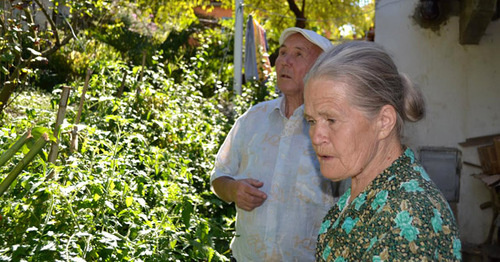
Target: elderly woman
{"x":356,"y":103}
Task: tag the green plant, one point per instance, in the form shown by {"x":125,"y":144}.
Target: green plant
{"x":41,"y":136}
{"x":136,"y":189}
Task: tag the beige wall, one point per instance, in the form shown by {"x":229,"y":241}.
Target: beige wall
{"x":461,"y":84}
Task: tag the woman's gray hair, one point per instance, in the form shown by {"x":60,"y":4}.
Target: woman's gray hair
{"x":373,"y":78}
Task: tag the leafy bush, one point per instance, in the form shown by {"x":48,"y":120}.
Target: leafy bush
{"x":137,"y":188}
{"x":25,"y":43}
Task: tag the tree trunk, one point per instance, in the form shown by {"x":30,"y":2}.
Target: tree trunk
{"x":7,"y":91}
{"x":9,"y":87}
{"x":300,"y":19}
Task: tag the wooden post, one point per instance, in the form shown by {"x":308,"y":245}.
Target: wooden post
{"x":37,"y":147}
{"x":60,"y":118}
{"x":74,"y":133}
{"x":14,"y":148}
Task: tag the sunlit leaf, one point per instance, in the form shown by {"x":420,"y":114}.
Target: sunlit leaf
{"x":186,"y":213}
{"x":50,"y":246}
{"x":128,"y":201}
{"x":41,"y":59}
{"x":34,"y":52}
{"x":38,"y":131}
{"x":109,"y":205}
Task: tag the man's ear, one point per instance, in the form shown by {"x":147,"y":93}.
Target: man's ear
{"x":387,"y":118}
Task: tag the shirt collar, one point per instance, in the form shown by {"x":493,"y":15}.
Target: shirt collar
{"x":279,"y":108}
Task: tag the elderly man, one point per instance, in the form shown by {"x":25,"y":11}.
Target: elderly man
{"x":268,"y":168}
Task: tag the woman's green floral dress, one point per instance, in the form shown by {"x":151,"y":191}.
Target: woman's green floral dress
{"x":401,"y":216}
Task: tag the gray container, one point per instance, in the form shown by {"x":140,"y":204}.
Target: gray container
{"x":444,"y":165}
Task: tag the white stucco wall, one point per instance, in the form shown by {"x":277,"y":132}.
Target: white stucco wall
{"x":461,"y":84}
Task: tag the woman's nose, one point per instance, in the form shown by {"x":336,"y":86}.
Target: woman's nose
{"x":317,"y":134}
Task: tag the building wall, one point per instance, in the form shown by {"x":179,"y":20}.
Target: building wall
{"x":461,"y":84}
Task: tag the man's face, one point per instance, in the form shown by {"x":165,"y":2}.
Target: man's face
{"x":296,"y":57}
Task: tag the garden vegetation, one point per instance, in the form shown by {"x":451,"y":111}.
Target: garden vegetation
{"x":136,"y":187}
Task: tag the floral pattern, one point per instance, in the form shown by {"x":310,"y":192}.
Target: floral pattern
{"x":457,"y":246}
{"x":324,"y":227}
{"x":400,"y":216}
{"x":437,"y":221}
{"x":359,"y":201}
{"x":349,"y":223}
{"x":403,"y":222}
{"x":412,"y":186}
{"x":380,"y":200}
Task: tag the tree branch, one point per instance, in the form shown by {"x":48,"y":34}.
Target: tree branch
{"x":51,"y":22}
{"x":29,"y":18}
{"x":2,"y":24}
{"x":294,"y":8}
{"x":300,"y":19}
{"x":55,"y":47}
{"x":70,"y":27}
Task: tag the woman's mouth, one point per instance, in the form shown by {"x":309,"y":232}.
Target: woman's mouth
{"x":324,"y":157}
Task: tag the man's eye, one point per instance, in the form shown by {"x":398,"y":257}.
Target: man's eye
{"x":331,"y":121}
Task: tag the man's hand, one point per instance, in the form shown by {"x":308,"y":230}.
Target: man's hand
{"x":244,"y":193}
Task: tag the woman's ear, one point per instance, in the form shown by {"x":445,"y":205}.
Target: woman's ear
{"x":387,"y":118}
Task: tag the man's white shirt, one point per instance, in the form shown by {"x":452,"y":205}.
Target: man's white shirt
{"x":264,"y":145}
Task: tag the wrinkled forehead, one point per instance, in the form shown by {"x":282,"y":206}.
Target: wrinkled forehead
{"x":321,"y":86}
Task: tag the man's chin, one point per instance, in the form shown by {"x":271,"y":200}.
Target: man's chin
{"x":289,"y":87}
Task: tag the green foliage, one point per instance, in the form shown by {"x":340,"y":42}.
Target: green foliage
{"x":47,"y":78}
{"x":20,"y":45}
{"x":171,"y":15}
{"x":25,"y":45}
{"x":326,"y":17}
{"x":118,"y":32}
{"x":138,"y":187}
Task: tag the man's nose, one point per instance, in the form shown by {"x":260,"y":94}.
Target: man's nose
{"x":284,"y":60}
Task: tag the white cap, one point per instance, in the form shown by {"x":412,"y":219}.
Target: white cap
{"x":312,"y":36}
